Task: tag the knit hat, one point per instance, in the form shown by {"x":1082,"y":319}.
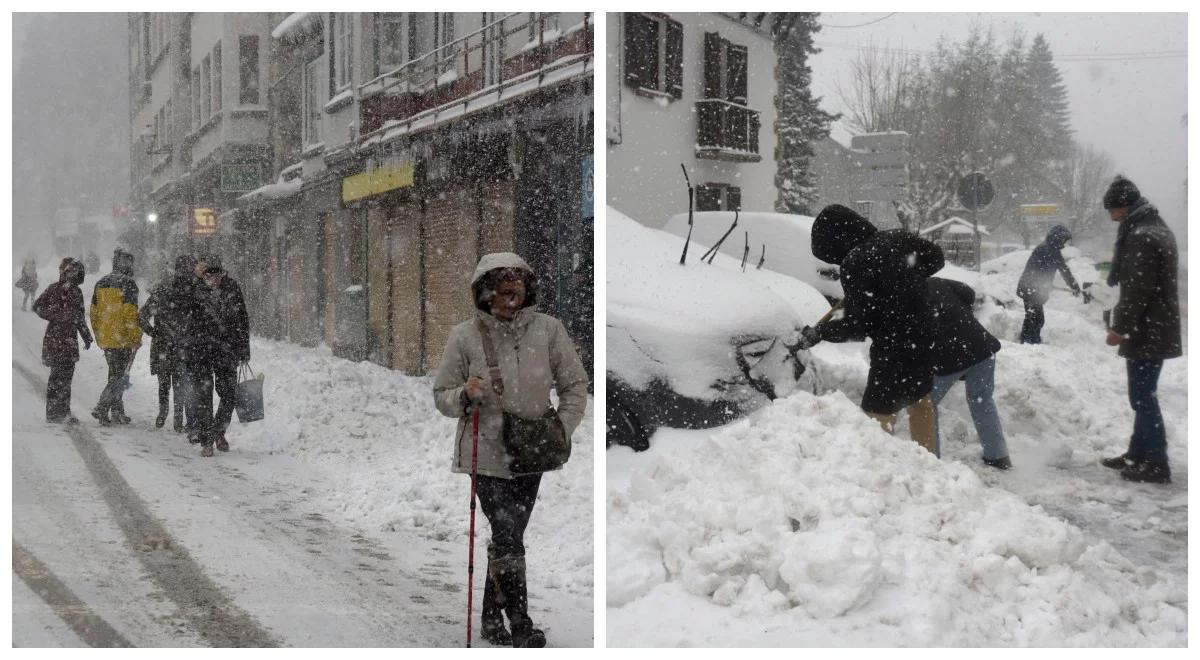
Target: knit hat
{"x":838,"y":230}
{"x":1121,"y":194}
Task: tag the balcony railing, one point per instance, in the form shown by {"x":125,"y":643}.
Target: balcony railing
{"x":728,"y":131}
{"x":488,"y":60}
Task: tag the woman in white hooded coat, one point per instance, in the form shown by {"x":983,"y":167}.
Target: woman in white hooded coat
{"x":534,"y":354}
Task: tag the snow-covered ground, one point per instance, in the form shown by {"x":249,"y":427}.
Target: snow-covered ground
{"x":805,"y":524}
{"x":334,"y":522}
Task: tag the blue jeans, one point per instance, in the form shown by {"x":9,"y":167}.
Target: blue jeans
{"x":1149,"y":440}
{"x":981,"y":382}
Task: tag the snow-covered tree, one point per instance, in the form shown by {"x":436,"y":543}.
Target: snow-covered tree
{"x":801,"y":121}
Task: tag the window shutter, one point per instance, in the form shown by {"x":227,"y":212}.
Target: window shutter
{"x":712,"y":65}
{"x":641,"y":51}
{"x":736,"y":62}
{"x":708,"y":198}
{"x":733,"y":199}
{"x":752,"y":143}
{"x":674,"y":61}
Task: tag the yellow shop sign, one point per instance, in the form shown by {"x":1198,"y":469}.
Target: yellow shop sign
{"x":378,"y":180}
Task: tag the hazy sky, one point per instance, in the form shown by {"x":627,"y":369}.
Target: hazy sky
{"x":1131,"y":107}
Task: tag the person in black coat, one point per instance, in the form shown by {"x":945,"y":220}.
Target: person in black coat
{"x":883,"y":277}
{"x":164,"y":317}
{"x":1038,"y":278}
{"x":62,"y":305}
{"x":218,"y":342}
{"x":966,"y":351}
{"x":1145,"y":323}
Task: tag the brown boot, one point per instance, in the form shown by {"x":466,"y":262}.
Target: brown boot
{"x":222,"y":444}
{"x":206,"y":451}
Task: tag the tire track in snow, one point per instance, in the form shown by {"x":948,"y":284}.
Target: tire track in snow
{"x":200,"y":601}
{"x":90,"y":627}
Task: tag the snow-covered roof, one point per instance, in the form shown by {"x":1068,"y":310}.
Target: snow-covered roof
{"x":295,"y":24}
{"x":840,"y":133}
{"x":277,"y":190}
{"x":957,"y":222}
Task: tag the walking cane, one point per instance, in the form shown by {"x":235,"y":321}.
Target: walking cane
{"x":471,"y":543}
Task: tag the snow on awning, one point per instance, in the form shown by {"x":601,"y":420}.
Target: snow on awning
{"x":296,"y":25}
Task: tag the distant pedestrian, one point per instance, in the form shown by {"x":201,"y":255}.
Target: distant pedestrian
{"x":114,"y":317}
{"x":165,"y":317}
{"x":1038,"y":278}
{"x":533,"y":354}
{"x":28,"y":281}
{"x":883,"y":277}
{"x":62,"y":305}
{"x":218,"y":341}
{"x":966,"y":351}
{"x":1145,"y":323}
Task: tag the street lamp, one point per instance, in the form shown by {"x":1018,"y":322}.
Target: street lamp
{"x":153,"y":217}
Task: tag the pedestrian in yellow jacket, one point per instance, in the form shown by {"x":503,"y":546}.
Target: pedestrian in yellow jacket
{"x":114,"y":317}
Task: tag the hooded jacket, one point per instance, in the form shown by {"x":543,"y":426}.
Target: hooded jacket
{"x":883,"y":277}
{"x":166,"y":315}
{"x":114,"y":312}
{"x":1038,"y":276}
{"x":218,"y":330}
{"x":962,"y":341}
{"x":535,"y":355}
{"x":62,"y":305}
{"x":1147,"y":269}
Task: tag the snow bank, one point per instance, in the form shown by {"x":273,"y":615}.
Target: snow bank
{"x":385,"y":453}
{"x":810,"y":520}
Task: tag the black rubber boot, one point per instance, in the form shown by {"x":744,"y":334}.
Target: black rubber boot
{"x":1119,"y":462}
{"x":999,"y":463}
{"x":510,"y":574}
{"x":491,"y":625}
{"x":1151,"y":472}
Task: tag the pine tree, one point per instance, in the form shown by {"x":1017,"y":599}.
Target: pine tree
{"x":1049,"y":129}
{"x":801,"y":122}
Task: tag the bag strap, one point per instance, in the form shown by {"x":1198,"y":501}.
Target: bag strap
{"x":245,"y":366}
{"x":489,"y":351}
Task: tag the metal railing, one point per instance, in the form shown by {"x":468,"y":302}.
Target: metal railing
{"x":727,"y":128}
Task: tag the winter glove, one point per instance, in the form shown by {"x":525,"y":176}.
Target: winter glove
{"x":1087,"y":297}
{"x":87,"y":343}
{"x":810,"y":336}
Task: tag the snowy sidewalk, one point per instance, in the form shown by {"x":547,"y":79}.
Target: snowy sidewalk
{"x":334,"y":522}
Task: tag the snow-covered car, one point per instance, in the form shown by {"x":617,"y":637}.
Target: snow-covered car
{"x":696,"y":345}
{"x":782,"y":241}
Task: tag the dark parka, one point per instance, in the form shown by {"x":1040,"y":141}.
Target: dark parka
{"x":883,"y":277}
{"x":166,"y":315}
{"x":961,"y":341}
{"x":1038,"y":277}
{"x":218,"y":332}
{"x":62,"y":305}
{"x":1146,"y":265}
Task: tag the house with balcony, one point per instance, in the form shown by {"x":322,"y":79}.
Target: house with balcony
{"x":405,"y":146}
{"x":696,"y":89}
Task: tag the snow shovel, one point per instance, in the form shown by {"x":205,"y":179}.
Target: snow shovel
{"x":471,"y":536}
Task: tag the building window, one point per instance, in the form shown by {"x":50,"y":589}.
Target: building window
{"x":343,"y":37}
{"x":654,"y":54}
{"x":492,"y":53}
{"x":314,"y":100}
{"x":248,"y":70}
{"x":718,"y":197}
{"x":443,"y":36}
{"x":725,"y":69}
{"x":196,"y":118}
{"x":417,"y":28}
{"x":205,"y":88}
{"x":216,"y":83}
{"x":389,"y":42}
{"x":542,"y":22}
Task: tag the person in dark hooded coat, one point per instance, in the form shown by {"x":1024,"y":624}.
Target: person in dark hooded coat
{"x":28,"y":281}
{"x":1038,"y":278}
{"x":62,"y":305}
{"x":165,"y":318}
{"x":1145,"y":323}
{"x":218,"y":341}
{"x":966,"y":351}
{"x":883,"y":277}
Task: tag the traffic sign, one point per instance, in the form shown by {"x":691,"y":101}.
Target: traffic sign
{"x":975,"y":191}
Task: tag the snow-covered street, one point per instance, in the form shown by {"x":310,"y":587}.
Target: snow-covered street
{"x":334,"y":522}
{"x":805,"y":524}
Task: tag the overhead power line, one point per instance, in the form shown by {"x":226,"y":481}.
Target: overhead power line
{"x":860,"y":24}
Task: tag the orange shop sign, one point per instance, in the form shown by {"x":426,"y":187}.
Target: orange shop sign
{"x":204,"y":221}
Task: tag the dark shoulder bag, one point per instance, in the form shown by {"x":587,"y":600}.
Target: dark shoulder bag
{"x":532,"y":445}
